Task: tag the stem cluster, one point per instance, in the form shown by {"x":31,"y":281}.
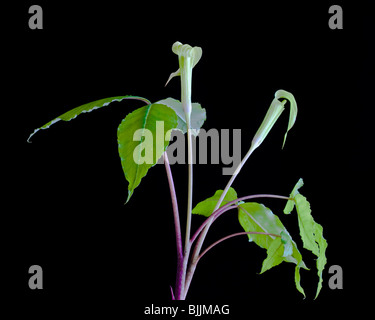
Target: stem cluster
{"x":186,"y":265}
{"x":187,"y":262}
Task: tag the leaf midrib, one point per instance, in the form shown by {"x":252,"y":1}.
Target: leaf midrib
{"x":148,"y":108}
{"x":257,"y":222}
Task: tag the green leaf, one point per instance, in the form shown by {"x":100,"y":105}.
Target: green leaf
{"x":255,"y":217}
{"x":142,"y":138}
{"x":312,"y":236}
{"x":311,"y":232}
{"x":206,"y":207}
{"x":290,"y":204}
{"x":274,"y":255}
{"x":197,"y":117}
{"x":286,"y":239}
{"x":88,"y":107}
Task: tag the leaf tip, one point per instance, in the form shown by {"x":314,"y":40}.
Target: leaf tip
{"x":130,"y":193}
{"x":35,"y":131}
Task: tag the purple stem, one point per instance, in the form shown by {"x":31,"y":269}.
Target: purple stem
{"x":208,"y":222}
{"x":228,"y":206}
{"x":179,"y":276}
{"x":231,"y":236}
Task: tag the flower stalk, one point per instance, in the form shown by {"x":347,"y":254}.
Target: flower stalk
{"x":188,"y":57}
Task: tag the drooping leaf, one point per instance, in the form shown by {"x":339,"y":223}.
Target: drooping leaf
{"x":279,"y":244}
{"x":206,"y":207}
{"x":322,"y":260}
{"x":88,"y":107}
{"x":197,"y":117}
{"x":142,"y":138}
{"x":311,"y":232}
{"x":312,"y":236}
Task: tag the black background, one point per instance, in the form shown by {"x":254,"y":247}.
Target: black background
{"x":63,"y":207}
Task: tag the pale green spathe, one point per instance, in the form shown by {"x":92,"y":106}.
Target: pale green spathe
{"x":273,"y":113}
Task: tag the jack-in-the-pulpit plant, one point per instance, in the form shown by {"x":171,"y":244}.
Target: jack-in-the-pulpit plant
{"x":143,"y":138}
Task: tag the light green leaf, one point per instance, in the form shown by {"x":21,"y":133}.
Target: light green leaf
{"x":286,"y":239}
{"x":311,"y":232}
{"x":312,"y":236}
{"x":306,"y":224}
{"x":290,"y":204}
{"x":142,"y":137}
{"x":197,"y":117}
{"x":322,"y":260}
{"x":88,"y":107}
{"x":206,"y":207}
{"x":255,"y":217}
{"x":274,"y":255}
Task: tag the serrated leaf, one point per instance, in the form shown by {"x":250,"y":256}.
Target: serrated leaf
{"x":206,"y":207}
{"x":311,"y":232}
{"x":322,"y":260}
{"x":88,"y":107}
{"x":312,"y":236}
{"x":197,"y":117}
{"x":142,"y":139}
{"x":256,"y":217}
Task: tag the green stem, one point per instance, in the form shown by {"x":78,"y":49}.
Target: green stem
{"x":200,"y":241}
{"x":190,"y":186}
